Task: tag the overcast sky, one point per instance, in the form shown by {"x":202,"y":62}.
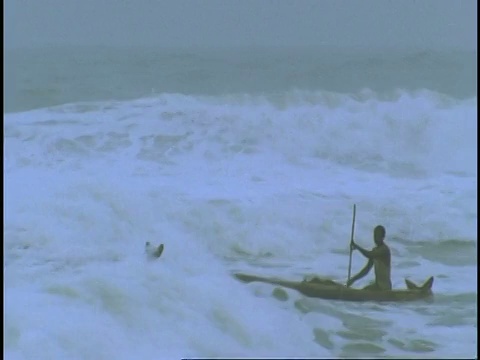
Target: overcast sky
{"x":420,"y":24}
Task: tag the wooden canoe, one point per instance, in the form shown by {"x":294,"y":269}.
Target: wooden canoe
{"x":329,"y":289}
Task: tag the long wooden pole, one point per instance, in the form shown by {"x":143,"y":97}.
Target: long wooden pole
{"x":351,"y":241}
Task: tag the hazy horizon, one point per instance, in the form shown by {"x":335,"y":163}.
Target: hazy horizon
{"x":372,"y":24}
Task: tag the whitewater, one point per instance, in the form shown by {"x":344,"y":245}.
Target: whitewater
{"x":260,"y":183}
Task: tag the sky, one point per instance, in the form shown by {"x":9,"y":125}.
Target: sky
{"x":419,"y":24}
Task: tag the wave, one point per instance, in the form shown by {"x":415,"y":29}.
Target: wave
{"x":52,"y":76}
{"x":407,"y":133}
{"x":258,"y":184}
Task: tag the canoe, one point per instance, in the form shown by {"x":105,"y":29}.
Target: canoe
{"x":329,"y":289}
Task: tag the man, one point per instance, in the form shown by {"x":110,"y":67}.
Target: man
{"x":379,"y":258}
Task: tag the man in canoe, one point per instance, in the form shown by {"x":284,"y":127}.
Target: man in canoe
{"x":379,"y":258}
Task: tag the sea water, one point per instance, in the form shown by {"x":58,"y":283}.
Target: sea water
{"x":237,"y":161}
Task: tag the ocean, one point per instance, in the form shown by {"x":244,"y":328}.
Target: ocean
{"x":237,"y":161}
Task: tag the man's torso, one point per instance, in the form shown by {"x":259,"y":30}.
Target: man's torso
{"x":382,"y":267}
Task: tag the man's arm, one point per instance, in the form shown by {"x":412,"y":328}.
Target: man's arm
{"x":375,"y":253}
{"x":362,"y":273}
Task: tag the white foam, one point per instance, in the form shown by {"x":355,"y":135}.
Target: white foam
{"x":227,"y":184}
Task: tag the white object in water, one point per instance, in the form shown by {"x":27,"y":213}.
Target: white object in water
{"x":153,"y":251}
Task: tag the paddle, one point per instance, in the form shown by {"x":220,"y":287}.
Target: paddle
{"x":351,"y":241}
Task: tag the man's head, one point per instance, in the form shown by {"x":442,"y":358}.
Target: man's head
{"x":379,"y":234}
